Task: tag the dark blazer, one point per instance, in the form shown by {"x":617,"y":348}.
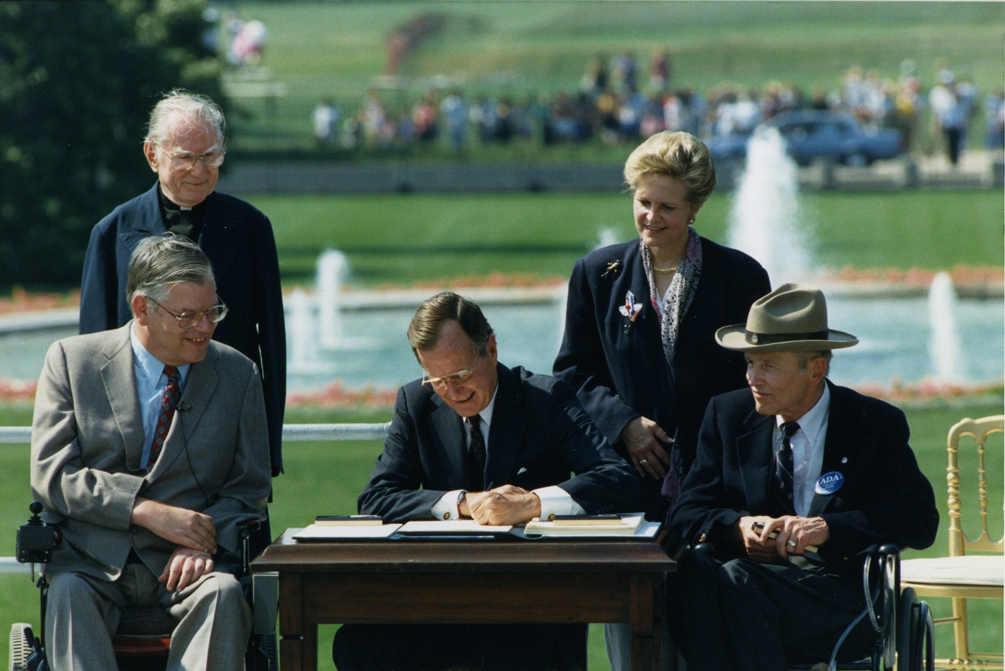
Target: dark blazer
{"x":539,"y":434}
{"x":239,"y":242}
{"x":620,"y":376}
{"x":885,"y":498}
{"x":87,"y":441}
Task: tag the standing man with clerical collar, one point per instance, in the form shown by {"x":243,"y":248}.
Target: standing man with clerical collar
{"x":185,"y":146}
{"x":826,"y":469}
{"x":475,"y":439}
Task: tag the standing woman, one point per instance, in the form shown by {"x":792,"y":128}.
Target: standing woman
{"x":641,"y":317}
{"x":640,"y":321}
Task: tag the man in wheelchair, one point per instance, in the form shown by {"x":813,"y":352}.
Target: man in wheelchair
{"x":149,"y":449}
{"x":794,"y":478}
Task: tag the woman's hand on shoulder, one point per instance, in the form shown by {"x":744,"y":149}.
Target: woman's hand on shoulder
{"x":645,"y":440}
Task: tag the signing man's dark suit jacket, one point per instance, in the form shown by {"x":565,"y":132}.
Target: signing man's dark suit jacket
{"x":239,"y":242}
{"x":884,"y":498}
{"x":539,"y":434}
{"x":620,"y":376}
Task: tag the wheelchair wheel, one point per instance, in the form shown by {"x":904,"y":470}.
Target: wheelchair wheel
{"x":907,"y":629}
{"x":924,"y":649}
{"x":20,"y":646}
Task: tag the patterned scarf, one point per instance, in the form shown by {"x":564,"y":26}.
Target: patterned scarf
{"x":678,"y":299}
{"x":682,"y":289}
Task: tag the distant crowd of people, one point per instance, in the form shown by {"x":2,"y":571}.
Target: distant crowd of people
{"x":613,"y":105}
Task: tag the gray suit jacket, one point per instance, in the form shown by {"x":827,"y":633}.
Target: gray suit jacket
{"x":87,"y":439}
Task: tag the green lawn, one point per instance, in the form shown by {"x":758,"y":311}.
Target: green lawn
{"x":529,"y":49}
{"x":401,"y":239}
{"x":326,"y":478}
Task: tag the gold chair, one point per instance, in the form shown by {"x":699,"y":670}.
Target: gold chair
{"x":964,"y":575}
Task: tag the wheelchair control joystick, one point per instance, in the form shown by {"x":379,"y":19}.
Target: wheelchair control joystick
{"x":36,"y":539}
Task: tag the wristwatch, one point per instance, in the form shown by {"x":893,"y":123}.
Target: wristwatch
{"x":460,"y":497}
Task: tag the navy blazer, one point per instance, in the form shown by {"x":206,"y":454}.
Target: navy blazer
{"x":239,"y":242}
{"x":884,"y":498}
{"x":620,"y":376}
{"x":539,"y":434}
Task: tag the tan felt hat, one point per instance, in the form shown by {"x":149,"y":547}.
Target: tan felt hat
{"x":792,"y":318}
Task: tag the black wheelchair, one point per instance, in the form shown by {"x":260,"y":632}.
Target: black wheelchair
{"x":903,"y":626}
{"x":904,"y":631}
{"x":143,"y":638}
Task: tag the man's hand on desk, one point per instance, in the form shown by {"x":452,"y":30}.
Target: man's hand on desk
{"x":181,"y":526}
{"x":503,"y":505}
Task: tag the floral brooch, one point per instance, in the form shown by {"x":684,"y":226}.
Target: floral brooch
{"x":630,"y":310}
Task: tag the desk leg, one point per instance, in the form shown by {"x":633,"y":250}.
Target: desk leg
{"x":298,"y":647}
{"x":644,"y":622}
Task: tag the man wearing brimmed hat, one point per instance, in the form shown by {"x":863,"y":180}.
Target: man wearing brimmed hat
{"x":821,"y":471}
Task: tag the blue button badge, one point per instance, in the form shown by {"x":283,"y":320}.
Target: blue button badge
{"x":829,"y":483}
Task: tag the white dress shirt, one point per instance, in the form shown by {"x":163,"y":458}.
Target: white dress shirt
{"x":554,"y":499}
{"x":807,"y":451}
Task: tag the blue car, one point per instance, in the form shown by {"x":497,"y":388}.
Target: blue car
{"x":815,"y":134}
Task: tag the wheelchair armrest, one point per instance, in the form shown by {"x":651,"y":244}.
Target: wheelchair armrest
{"x":246,"y":530}
{"x":705,"y":548}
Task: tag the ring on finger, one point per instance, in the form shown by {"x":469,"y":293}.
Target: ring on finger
{"x":643,"y":462}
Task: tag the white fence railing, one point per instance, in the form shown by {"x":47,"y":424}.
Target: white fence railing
{"x":21,"y":435}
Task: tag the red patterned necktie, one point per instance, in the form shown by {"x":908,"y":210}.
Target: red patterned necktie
{"x":168,"y":404}
{"x":476,"y":455}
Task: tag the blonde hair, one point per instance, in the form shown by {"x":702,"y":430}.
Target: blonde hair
{"x":674,"y":154}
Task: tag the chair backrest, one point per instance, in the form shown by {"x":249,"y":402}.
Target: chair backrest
{"x":979,"y":429}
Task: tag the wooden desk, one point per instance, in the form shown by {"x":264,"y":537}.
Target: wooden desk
{"x":488,"y":581}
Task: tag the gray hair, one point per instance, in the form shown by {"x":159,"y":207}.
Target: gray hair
{"x":162,"y":261}
{"x":425,"y":327}
{"x":679,"y":155}
{"x":197,"y":109}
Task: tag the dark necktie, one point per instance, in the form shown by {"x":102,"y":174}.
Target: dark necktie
{"x":476,"y":455}
{"x":168,"y":404}
{"x":784,"y":466}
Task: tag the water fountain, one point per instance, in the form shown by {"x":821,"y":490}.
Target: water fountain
{"x":944,"y":344}
{"x":764,"y":220}
{"x":333,"y":268}
{"x":302,"y":331}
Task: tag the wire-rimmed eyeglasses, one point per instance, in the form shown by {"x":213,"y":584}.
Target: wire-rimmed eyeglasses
{"x":185,"y":160}
{"x":454,"y":378}
{"x":191,"y":318}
